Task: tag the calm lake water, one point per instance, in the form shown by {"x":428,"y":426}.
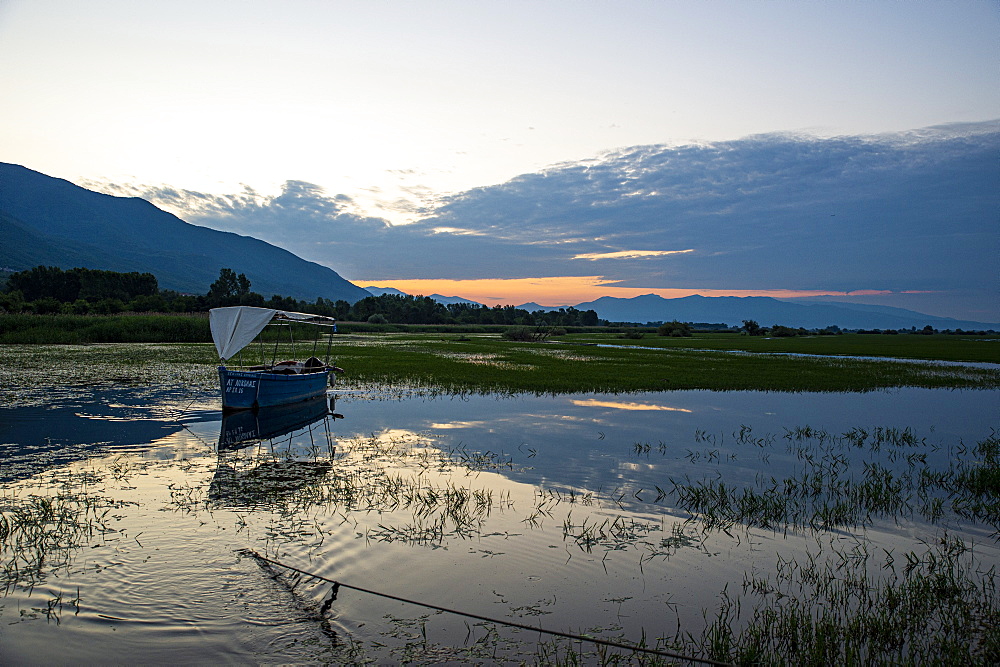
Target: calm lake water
{"x":554,"y":511}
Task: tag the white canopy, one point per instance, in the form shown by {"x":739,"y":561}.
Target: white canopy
{"x":235,"y":327}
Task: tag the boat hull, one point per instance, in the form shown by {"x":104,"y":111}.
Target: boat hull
{"x":245,"y":390}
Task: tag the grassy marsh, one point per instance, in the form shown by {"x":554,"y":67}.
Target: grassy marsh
{"x":847,"y":598}
{"x":487,"y":363}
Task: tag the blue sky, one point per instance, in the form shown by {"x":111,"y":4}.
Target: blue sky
{"x":390,"y":108}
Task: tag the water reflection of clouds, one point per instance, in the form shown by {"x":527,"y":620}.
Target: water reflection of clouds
{"x":441,"y":426}
{"x":623,"y":405}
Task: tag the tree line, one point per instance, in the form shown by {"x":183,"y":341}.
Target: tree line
{"x":51,"y":290}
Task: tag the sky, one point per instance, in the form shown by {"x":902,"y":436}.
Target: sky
{"x":393,"y":110}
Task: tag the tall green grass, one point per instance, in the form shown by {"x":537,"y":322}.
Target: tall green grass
{"x":86,"y":329}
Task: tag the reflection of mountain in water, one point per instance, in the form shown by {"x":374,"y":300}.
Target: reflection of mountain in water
{"x":268,"y":454}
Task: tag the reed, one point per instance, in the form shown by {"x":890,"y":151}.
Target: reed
{"x":833,"y":490}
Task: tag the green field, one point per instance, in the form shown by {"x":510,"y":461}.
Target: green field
{"x":565,"y":364}
{"x":575,"y":363}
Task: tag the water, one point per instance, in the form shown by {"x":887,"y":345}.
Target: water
{"x":553,"y":511}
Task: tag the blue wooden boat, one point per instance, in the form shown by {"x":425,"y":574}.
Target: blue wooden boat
{"x":273,"y":383}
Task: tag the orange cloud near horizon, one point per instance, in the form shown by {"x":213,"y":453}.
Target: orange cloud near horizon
{"x":570,"y":290}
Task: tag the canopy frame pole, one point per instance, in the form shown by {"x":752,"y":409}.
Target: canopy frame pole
{"x":274,"y":355}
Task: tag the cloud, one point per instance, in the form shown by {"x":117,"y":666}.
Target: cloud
{"x":302,"y":218}
{"x":908,"y":212}
{"x":630,"y":254}
{"x":456,"y":231}
{"x":900,"y":212}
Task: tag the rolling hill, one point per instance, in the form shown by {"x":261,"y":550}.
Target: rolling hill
{"x":50,"y":221}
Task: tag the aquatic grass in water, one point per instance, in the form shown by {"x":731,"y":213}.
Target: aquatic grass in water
{"x":836,"y":488}
{"x":931,"y":606}
{"x":412,"y":494}
{"x":855,"y":605}
{"x":41,"y":529}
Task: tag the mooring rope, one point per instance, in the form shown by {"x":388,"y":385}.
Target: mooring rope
{"x":337,"y":585}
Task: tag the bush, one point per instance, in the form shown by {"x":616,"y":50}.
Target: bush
{"x":109,"y":306}
{"x":46,"y":306}
{"x":12,"y":302}
{"x":674,"y":328}
{"x":377,"y":318}
{"x":525,"y":334}
{"x":78,"y":307}
{"x":633,"y":334}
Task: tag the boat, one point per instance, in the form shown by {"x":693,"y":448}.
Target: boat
{"x":270,"y":382}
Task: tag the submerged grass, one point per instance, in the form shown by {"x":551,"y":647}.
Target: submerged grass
{"x":926,"y":606}
{"x":849,"y":480}
{"x":931,"y":606}
{"x":41,"y":529}
{"x":563,"y":367}
{"x":937,"y":603}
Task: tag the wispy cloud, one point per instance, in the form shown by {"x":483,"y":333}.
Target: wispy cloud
{"x":630,"y":254}
{"x":457,"y":231}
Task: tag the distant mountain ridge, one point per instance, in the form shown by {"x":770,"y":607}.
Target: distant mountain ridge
{"x":46,"y":220}
{"x":766,"y":311}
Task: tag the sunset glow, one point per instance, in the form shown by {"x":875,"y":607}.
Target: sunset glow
{"x":570,"y":290}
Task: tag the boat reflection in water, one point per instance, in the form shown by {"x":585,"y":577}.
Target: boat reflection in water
{"x":267,"y":454}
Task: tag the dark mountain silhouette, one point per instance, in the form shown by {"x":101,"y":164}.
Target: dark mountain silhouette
{"x":732,"y":310}
{"x":766,"y":311}
{"x":46,"y":220}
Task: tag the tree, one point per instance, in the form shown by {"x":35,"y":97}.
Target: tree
{"x":229,"y":290}
{"x":751,"y":327}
